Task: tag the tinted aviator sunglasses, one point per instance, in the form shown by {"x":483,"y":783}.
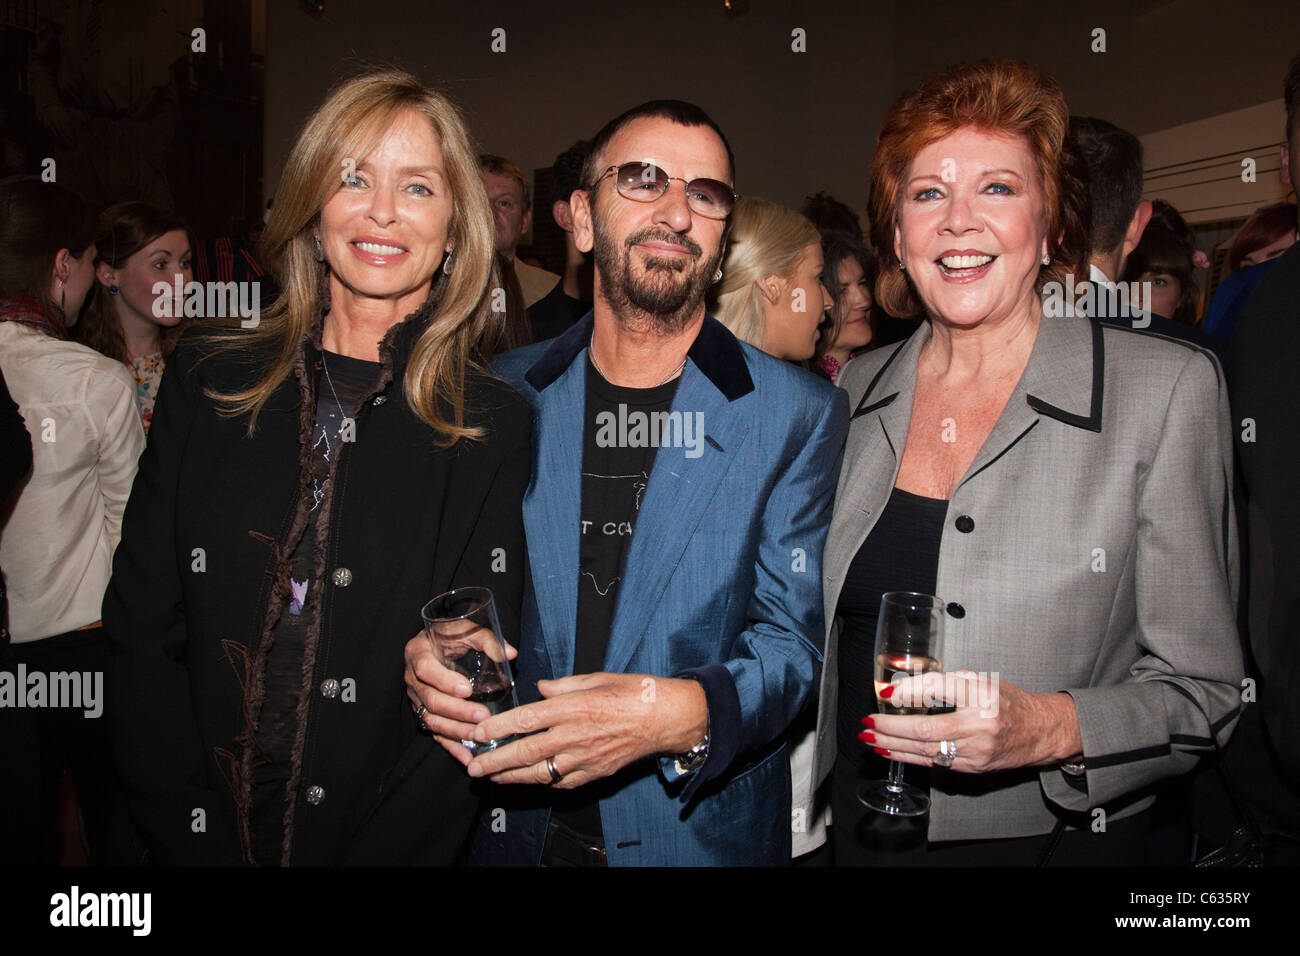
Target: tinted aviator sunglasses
{"x":646,"y":182}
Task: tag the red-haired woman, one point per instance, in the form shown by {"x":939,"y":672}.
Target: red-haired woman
{"x":1053,"y":481}
{"x":1269,"y":232}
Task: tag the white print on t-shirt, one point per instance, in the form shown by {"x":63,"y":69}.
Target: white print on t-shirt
{"x":621,"y":529}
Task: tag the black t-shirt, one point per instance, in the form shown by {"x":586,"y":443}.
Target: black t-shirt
{"x":900,"y":554}
{"x":616,"y":461}
{"x":338,"y":396}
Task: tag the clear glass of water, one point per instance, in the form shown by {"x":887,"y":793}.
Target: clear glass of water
{"x":463,"y":628}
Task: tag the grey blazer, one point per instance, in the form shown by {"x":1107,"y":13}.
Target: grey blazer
{"x":1091,"y":548}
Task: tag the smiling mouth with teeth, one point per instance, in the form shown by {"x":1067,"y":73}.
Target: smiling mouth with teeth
{"x":379,"y":250}
{"x":953,"y":265}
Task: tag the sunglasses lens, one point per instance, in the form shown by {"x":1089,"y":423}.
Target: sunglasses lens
{"x":643,"y":182}
{"x":646,"y":182}
{"x":708,"y":197}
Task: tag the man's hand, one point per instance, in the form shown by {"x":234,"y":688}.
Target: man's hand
{"x":592,"y":725}
{"x":449,"y":717}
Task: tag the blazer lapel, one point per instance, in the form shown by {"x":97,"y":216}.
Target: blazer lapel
{"x":551,"y":510}
{"x":1062,"y":380}
{"x":877,"y":433}
{"x":679,"y":491}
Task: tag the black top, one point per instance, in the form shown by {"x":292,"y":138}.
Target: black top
{"x":617,"y":455}
{"x":408,"y":518}
{"x":338,"y":395}
{"x":900,"y":554}
{"x":555,"y":312}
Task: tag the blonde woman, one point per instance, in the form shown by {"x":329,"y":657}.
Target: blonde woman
{"x":308,"y":485}
{"x":772,"y":295}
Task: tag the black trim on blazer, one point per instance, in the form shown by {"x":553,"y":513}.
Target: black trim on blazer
{"x":1126,"y":756}
{"x":888,"y":398}
{"x":715,"y":350}
{"x":1093,"y":421}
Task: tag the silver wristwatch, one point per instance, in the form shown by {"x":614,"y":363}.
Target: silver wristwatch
{"x":694,"y":758}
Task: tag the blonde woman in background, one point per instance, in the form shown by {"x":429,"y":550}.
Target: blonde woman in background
{"x":772,"y":295}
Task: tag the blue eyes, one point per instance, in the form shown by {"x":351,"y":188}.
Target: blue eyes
{"x":933,"y":192}
{"x":356,"y":182}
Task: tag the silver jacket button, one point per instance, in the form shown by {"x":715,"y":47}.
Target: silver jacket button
{"x":330,"y":688}
{"x":342,"y":577}
{"x":315,"y":795}
{"x":379,"y":400}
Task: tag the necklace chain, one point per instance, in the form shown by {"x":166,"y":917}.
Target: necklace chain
{"x":326,"y":365}
{"x":591,"y":350}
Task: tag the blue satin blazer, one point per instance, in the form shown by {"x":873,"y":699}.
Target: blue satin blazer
{"x":722,"y":583}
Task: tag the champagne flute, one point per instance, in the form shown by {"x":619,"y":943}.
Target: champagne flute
{"x":909,"y":642}
{"x":462,"y":626}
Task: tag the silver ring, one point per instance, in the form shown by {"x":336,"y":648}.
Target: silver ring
{"x":556,"y":776}
{"x":420,"y":712}
{"x":947,"y":754}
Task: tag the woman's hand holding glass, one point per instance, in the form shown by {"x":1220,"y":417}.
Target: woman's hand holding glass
{"x":994,"y":726}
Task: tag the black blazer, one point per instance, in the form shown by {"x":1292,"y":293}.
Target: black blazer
{"x":1266,"y":408}
{"x":202,"y":572}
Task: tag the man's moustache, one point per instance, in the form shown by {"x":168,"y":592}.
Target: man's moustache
{"x":687,"y":244}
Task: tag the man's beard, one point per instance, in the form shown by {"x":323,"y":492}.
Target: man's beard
{"x":668,"y":294}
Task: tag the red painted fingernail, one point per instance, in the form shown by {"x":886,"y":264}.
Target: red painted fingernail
{"x":885,"y":694}
{"x":867,"y":737}
{"x":883,"y":753}
{"x":869,"y":722}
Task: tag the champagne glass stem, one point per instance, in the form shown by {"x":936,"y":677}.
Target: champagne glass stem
{"x":895,"y":776}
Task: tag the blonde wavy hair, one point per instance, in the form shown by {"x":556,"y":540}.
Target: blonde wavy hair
{"x":763,"y":239}
{"x":463,"y":331}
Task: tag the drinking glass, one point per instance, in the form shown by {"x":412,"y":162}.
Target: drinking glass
{"x":463,"y":628}
{"x":909,"y":642}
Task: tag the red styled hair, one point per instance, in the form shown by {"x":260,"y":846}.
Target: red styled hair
{"x":1266,"y":225}
{"x":1004,"y":97}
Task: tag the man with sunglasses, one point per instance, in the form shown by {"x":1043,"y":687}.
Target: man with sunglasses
{"x":682,"y":489}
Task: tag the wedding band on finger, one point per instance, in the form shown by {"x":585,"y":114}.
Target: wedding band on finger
{"x":420,"y":712}
{"x":946,"y":755}
{"x":556,"y":776}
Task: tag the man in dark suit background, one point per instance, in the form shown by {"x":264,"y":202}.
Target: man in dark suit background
{"x":1113,"y":158}
{"x":1263,"y":758}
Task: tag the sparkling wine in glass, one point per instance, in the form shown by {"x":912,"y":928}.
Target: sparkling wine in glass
{"x":462,"y":626}
{"x":909,"y":643}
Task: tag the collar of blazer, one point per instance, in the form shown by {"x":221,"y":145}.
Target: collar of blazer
{"x":715,"y":351}
{"x":1064,"y":378}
